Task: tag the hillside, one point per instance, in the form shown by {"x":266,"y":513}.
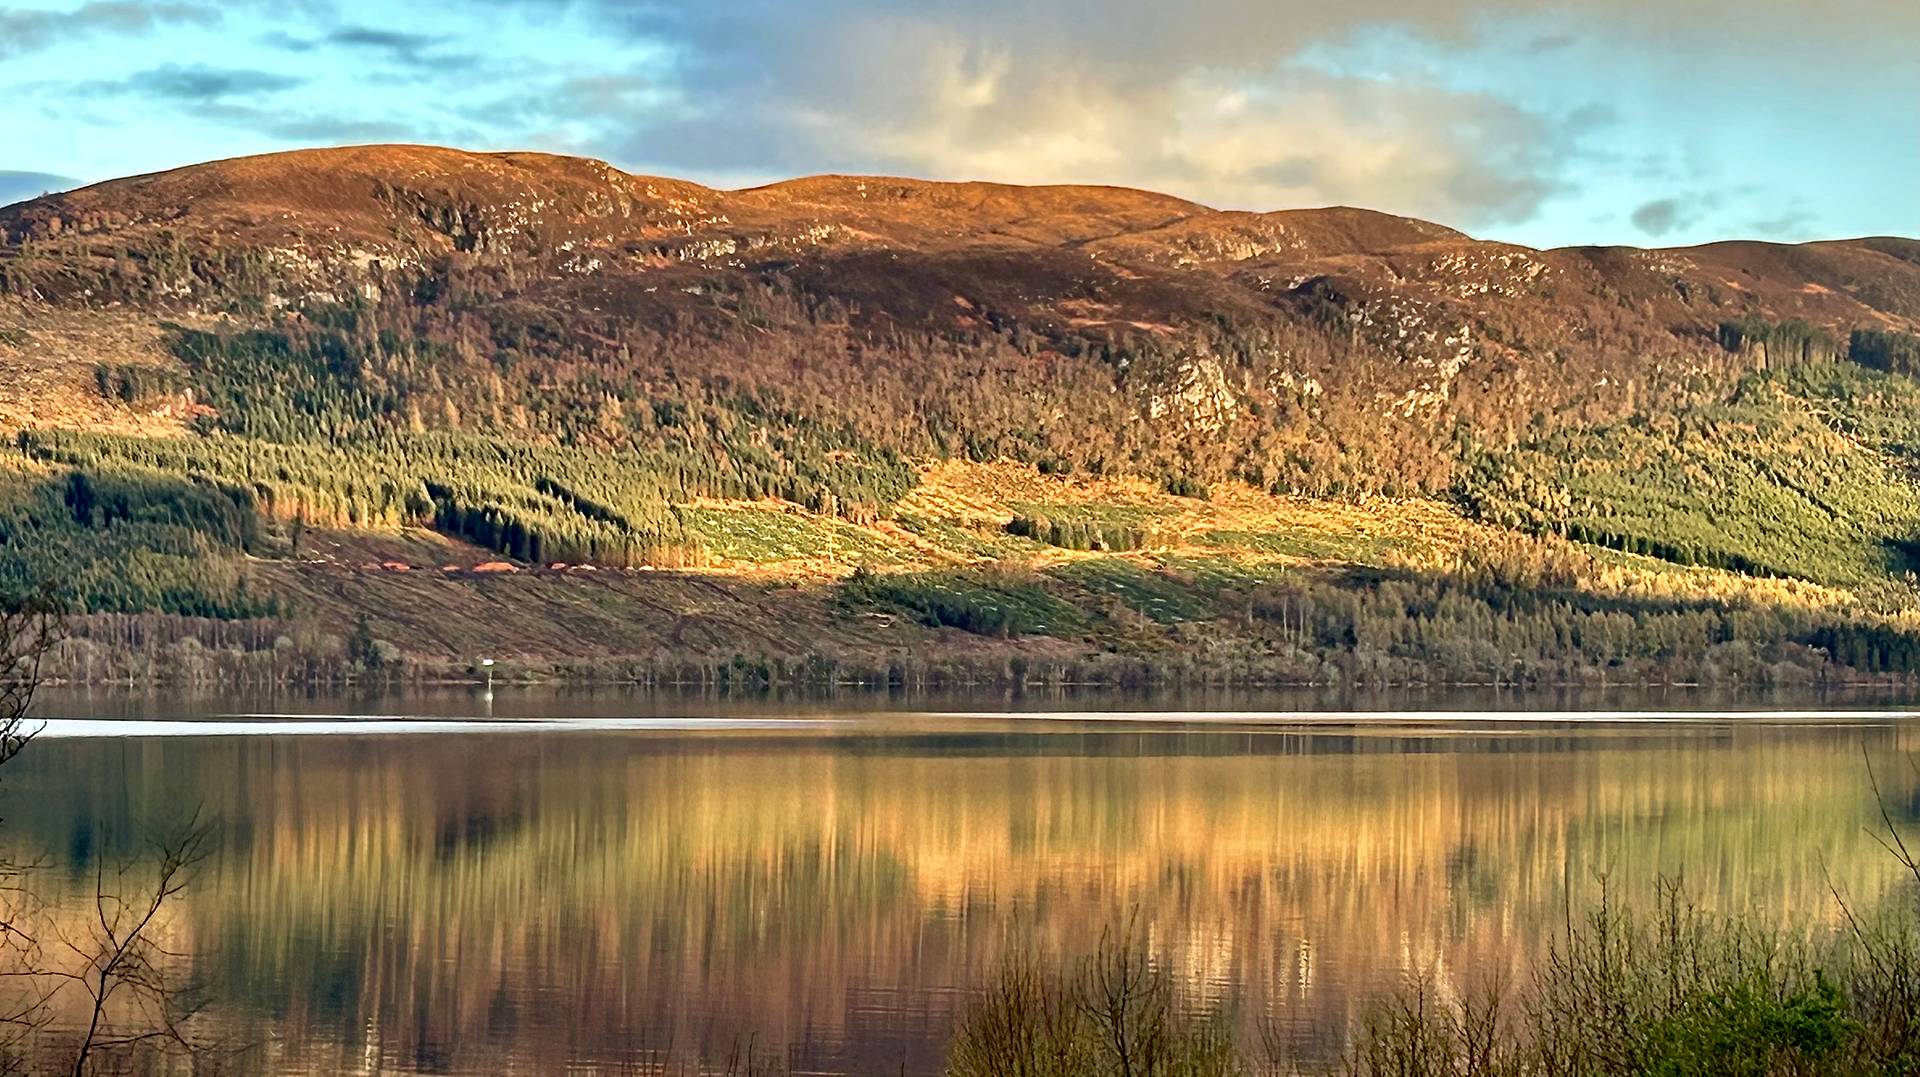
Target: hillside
{"x":293,"y":407}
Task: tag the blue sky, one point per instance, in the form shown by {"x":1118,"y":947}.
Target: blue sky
{"x":1544,"y":122}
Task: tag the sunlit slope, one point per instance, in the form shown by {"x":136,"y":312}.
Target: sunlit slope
{"x":371,"y":412}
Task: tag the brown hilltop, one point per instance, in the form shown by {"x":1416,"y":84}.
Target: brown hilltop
{"x":322,"y":217}
{"x":356,"y":192}
{"x":384,"y":193}
{"x":1042,"y":215}
{"x":364,"y":193}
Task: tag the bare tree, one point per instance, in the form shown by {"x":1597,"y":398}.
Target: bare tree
{"x":112,"y":955}
{"x":132,"y":1000}
{"x":1130,"y":1002}
{"x":30,"y":629}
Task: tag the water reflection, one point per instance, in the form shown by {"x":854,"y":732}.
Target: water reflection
{"x":527,"y":901}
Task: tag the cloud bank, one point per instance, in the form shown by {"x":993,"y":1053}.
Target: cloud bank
{"x":1220,"y":101}
{"x":1239,"y":103}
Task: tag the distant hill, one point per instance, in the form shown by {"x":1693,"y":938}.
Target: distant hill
{"x":558,"y":362}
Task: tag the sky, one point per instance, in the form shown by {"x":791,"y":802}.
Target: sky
{"x":1544,"y":122}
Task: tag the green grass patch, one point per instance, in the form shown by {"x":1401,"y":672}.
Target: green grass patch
{"x":997,"y":545}
{"x":1161,"y":596}
{"x":1139,"y":516}
{"x":761,"y":535}
{"x":1173,"y":590}
{"x":1305,"y":544}
{"x":1216,"y":574}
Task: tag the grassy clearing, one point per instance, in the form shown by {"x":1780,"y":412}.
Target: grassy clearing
{"x":762,"y":535}
{"x":1307,"y":545}
{"x":1143,"y":588}
{"x":965,"y":542}
{"x":1169,"y":589}
{"x":1144,"y":517}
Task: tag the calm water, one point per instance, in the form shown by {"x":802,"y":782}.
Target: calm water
{"x":589,"y":883}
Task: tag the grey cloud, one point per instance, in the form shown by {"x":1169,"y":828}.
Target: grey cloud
{"x":27,"y":30}
{"x":173,"y":82}
{"x":282,"y":108}
{"x":326,"y":129}
{"x":599,"y":101}
{"x":20,"y":186}
{"x":197,"y":91}
{"x":280,"y":39}
{"x":309,"y":127}
{"x":427,"y":52}
{"x":398,"y":45}
{"x":1693,"y":209}
{"x":1153,"y":36}
{"x":232,"y":97}
{"x":1290,"y":172}
{"x":1222,"y":101}
{"x":1660,"y":217}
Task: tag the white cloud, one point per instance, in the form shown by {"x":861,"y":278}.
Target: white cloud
{"x":1244,"y":103}
{"x":1005,"y":95}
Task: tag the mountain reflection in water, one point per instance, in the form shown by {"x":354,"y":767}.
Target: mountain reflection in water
{"x":528,"y":899}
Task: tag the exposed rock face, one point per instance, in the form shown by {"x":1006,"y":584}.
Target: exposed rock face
{"x":1197,"y":397}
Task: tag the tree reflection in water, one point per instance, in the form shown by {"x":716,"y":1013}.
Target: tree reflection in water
{"x":494,"y":902}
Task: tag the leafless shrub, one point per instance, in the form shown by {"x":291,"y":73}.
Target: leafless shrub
{"x":1672,"y":989}
{"x":112,"y":958}
{"x":1421,"y":1032}
{"x":30,"y":628}
{"x":1026,"y":1023}
{"x":133,"y":1003}
{"x":1116,"y":1015}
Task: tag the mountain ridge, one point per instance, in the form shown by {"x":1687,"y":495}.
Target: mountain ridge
{"x":285,"y":164}
{"x":1009,"y":407}
{"x":351,"y":203}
